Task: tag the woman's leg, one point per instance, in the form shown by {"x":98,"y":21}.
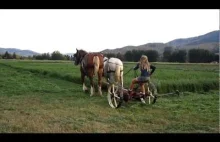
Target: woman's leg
{"x":132,"y":83}
{"x":143,"y":88}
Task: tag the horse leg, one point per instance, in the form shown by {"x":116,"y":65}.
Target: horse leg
{"x":109,"y":88}
{"x":92,"y":86}
{"x":122,"y":80}
{"x":100,"y":81}
{"x":143,"y":88}
{"x":113,"y":88}
{"x":83,"y":82}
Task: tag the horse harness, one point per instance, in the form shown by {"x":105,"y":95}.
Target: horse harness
{"x":88,"y":63}
{"x":109,"y":70}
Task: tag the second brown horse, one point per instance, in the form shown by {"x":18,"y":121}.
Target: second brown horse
{"x":91,"y":64}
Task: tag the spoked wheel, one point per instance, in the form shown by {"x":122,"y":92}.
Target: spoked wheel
{"x":114,"y":100}
{"x":150,"y":97}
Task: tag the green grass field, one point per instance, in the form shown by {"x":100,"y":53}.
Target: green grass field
{"x":47,"y":96}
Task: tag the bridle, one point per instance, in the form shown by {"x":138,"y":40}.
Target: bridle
{"x":80,"y":60}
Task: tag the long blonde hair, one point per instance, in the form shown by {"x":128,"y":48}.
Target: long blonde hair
{"x":144,"y":64}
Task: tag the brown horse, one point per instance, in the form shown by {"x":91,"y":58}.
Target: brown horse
{"x":90,"y":65}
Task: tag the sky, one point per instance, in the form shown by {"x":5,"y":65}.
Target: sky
{"x":94,"y":30}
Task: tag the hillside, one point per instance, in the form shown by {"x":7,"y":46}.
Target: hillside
{"x":25,"y":53}
{"x":209,"y":41}
{"x":206,"y":38}
{"x":149,"y":46}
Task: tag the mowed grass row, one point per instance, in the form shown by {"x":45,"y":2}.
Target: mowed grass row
{"x":57,"y":69}
{"x":36,"y":103}
{"x":167,"y":77}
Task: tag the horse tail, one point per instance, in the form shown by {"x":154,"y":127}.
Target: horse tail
{"x":96,"y":62}
{"x":117,"y":73}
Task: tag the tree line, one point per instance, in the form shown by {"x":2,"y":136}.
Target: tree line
{"x":56,"y":55}
{"x":168,"y":55}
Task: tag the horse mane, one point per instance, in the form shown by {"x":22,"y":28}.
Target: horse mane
{"x":82,"y":52}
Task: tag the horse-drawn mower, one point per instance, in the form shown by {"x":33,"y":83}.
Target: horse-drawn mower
{"x":115,"y":99}
{"x":124,"y":95}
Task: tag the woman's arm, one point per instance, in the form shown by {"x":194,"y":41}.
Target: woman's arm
{"x":153,"y":68}
{"x":136,"y":67}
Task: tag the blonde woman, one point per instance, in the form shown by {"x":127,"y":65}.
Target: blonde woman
{"x":146,"y":71}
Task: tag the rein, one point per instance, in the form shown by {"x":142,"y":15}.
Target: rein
{"x":128,"y":71}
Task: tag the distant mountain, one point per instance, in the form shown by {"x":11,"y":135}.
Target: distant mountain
{"x":209,"y":41}
{"x":149,"y":46}
{"x":206,"y":38}
{"x":25,"y":53}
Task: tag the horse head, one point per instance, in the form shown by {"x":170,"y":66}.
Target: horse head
{"x":78,"y":56}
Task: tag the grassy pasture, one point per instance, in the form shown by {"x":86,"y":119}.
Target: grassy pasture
{"x":46,"y":96}
{"x":167,"y":77}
